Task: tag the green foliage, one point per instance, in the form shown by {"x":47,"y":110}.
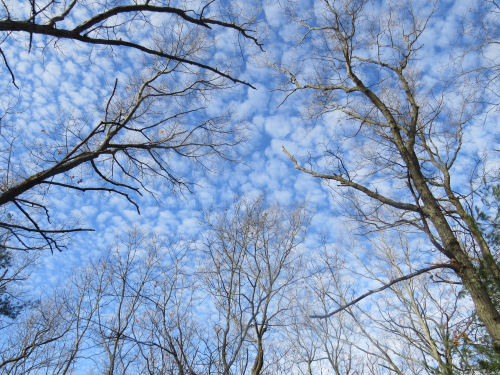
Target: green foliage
{"x":478,"y":349}
{"x":488,"y":217}
{"x":489,"y":361}
{"x":8,"y":308}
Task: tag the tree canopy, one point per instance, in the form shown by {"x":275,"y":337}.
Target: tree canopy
{"x":227,"y":187}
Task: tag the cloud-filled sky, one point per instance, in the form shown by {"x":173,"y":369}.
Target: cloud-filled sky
{"x":63,"y":89}
{"x":64,"y":81}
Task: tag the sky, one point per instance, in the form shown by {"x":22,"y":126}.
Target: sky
{"x":63,"y":87}
{"x":66,"y":80}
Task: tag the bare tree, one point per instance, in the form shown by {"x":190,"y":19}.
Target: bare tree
{"x":319,"y":346}
{"x":480,"y":26}
{"x":366,"y":71}
{"x":422,"y":317}
{"x":128,"y":312}
{"x":143,"y":124}
{"x":416,"y":326}
{"x":250,"y":269}
{"x":169,"y":337}
{"x":36,"y":340}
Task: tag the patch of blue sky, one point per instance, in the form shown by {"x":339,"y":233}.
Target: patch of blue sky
{"x":73,"y":79}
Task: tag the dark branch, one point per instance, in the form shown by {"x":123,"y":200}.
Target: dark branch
{"x":346,"y":182}
{"x":54,"y":231}
{"x":383,"y":287}
{"x":84,"y":189}
{"x":9,"y":25}
{"x":9,"y":69}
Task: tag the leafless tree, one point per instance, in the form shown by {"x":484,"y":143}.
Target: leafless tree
{"x":32,"y":343}
{"x":422,"y":319}
{"x":250,"y":253}
{"x":143,"y":124}
{"x":481,"y":27}
{"x":416,"y":326}
{"x":366,"y":70}
{"x":319,"y":346}
{"x":167,"y":333}
{"x":142,"y":318}
{"x":128,"y":312}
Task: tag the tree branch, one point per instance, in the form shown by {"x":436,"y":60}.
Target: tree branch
{"x":383,"y":287}
{"x":345,"y":182}
{"x":9,"y":25}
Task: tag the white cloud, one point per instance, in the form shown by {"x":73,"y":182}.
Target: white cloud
{"x":68,"y":83}
{"x":277,"y":126}
{"x":274,"y":13}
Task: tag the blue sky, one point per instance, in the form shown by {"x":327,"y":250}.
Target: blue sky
{"x":72,"y":80}
{"x":66,"y":84}
{"x":69,"y":80}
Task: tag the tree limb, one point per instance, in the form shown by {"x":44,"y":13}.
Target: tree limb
{"x":383,"y":287}
{"x":345,"y":182}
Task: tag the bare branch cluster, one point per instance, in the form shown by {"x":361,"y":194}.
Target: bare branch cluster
{"x":142,"y":126}
{"x":410,"y":134}
{"x":137,"y":309}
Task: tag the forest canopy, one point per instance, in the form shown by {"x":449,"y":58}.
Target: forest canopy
{"x":223,"y":187}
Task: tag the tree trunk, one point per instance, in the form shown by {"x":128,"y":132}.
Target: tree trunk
{"x":259,"y":359}
{"x":462,"y":262}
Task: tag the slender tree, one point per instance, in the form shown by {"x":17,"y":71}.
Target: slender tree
{"x":366,"y":70}
{"x":250,"y":252}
